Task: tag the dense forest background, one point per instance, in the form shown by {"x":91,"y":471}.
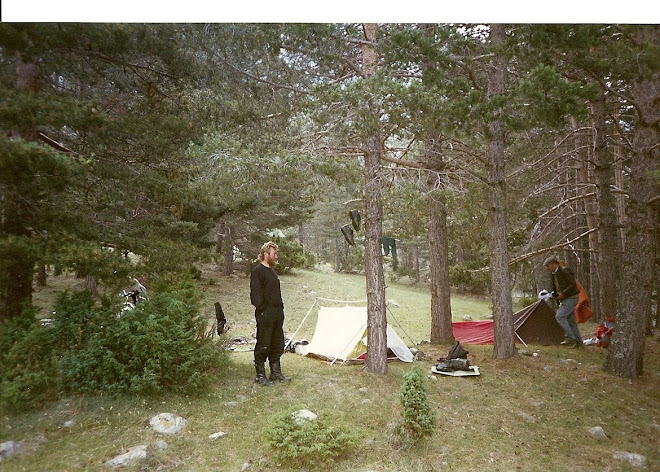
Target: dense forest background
{"x":145,"y":149}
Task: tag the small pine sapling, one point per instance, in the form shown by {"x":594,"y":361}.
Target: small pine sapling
{"x":418,"y":416}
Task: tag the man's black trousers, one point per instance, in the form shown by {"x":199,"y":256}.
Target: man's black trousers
{"x":270,"y":335}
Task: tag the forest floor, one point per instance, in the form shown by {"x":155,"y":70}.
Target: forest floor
{"x":528,"y":413}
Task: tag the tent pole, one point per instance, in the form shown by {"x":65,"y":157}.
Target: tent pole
{"x":399,"y":325}
{"x":301,"y":323}
{"x":364,"y":326}
{"x":521,"y":339}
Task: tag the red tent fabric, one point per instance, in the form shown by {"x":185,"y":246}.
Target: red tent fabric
{"x":535,"y":324}
{"x":474,"y":332}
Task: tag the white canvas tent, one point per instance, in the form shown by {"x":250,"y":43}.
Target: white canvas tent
{"x":341,"y":335}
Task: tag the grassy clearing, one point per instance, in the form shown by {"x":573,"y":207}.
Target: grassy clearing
{"x":528,"y":413}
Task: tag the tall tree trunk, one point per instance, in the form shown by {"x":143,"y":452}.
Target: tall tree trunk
{"x":460,"y":258}
{"x":441,"y":327}
{"x":42,"y":276}
{"x":504,"y":346}
{"x":416,"y":263}
{"x":17,"y":263}
{"x":590,"y":215}
{"x":225,"y":246}
{"x":376,"y":361}
{"x":608,"y":255}
{"x":620,"y":197}
{"x":92,"y":285}
{"x":626,"y":353}
{"x":301,"y":235}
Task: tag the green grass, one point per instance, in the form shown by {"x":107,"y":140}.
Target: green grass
{"x":527,"y":413}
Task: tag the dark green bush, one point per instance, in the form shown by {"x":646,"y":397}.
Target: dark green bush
{"x":153,"y":348}
{"x":310,"y":444}
{"x":418,"y":416}
{"x":27,"y":373}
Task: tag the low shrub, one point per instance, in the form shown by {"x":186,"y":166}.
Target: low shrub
{"x":418,"y":416}
{"x":27,"y":375}
{"x":310,"y":443}
{"x":152,"y":348}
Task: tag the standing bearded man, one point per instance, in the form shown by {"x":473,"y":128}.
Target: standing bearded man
{"x":266,"y":296}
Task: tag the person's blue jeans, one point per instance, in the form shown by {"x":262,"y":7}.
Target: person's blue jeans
{"x":566,"y":318}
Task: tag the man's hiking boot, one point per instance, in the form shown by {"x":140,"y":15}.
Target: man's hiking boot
{"x":261,"y":375}
{"x":260,"y":379}
{"x":567,"y":342}
{"x":276,"y":372}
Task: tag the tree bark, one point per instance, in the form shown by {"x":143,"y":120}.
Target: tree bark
{"x":441,"y":320}
{"x":504,"y":346}
{"x":608,"y":259}
{"x":591,"y":219}
{"x":226,"y":247}
{"x":626,"y":353}
{"x":376,"y":361}
{"x":17,"y":263}
{"x":92,"y":285}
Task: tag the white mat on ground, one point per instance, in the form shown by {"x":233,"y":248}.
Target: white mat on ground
{"x":458,"y":373}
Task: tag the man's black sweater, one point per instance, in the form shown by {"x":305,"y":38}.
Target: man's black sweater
{"x":265,"y":288}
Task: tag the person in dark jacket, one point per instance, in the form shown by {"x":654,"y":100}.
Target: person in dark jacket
{"x":566,"y":291}
{"x":266,"y":296}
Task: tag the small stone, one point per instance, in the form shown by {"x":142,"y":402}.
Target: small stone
{"x":245,"y":466}
{"x":9,"y":449}
{"x":631,"y":458}
{"x":300,"y":416}
{"x":364,"y":390}
{"x":69,"y":424}
{"x":537,"y":404}
{"x":134,"y":454}
{"x":597,"y":432}
{"x":217,"y":435}
{"x":231,"y":403}
{"x":527,"y":417}
{"x":160,"y":444}
{"x":167,"y":423}
{"x":365,"y":401}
